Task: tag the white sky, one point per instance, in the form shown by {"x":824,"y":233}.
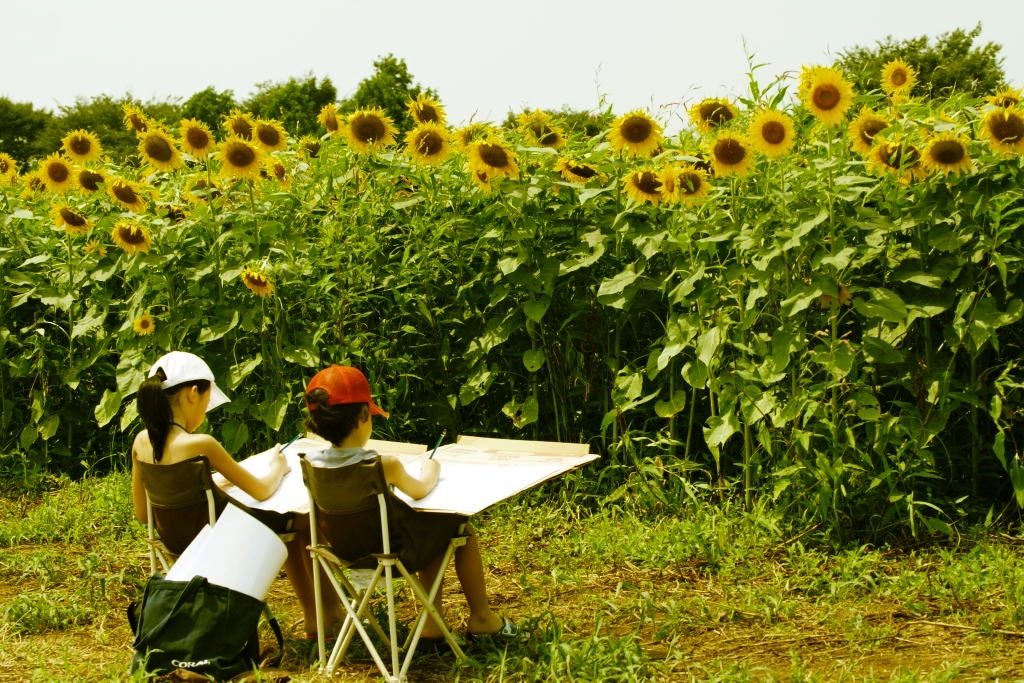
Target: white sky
{"x":484,"y":58}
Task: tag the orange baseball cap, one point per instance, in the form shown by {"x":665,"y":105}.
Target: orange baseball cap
{"x":344,"y":384}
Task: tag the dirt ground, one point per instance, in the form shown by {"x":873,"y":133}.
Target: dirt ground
{"x":807,"y":645}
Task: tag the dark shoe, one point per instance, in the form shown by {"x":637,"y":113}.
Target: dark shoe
{"x":433,"y":646}
{"x":508,"y":633}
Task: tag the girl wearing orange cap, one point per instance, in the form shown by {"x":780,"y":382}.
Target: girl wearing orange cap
{"x":340,"y":410}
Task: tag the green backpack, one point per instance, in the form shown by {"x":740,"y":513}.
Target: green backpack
{"x":199,"y":627}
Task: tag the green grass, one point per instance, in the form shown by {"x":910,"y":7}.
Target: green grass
{"x":705,"y":593}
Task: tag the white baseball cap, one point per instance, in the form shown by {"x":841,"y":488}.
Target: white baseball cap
{"x":181,"y":367}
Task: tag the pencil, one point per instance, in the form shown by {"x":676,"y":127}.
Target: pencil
{"x":296,"y":438}
{"x":439,"y":439}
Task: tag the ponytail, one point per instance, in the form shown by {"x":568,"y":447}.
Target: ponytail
{"x":154,"y":408}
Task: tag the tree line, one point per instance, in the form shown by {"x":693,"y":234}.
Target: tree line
{"x":950,"y":63}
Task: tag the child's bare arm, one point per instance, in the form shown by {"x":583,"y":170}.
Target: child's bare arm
{"x":414,"y":487}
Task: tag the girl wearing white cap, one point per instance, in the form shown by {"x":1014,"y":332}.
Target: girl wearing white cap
{"x":172,"y":402}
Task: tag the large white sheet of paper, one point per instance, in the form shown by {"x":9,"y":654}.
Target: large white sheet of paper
{"x":476,"y":472}
{"x":479,"y":473}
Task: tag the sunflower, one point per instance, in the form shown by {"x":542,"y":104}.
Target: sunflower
{"x":947,"y":153}
{"x":863,"y":129}
{"x":278,"y":171}
{"x":196,"y":138}
{"x":427,"y":143}
{"x":328,"y":118}
{"x":238,"y":124}
{"x":239,"y":158}
{"x":729,"y":155}
{"x":144,"y":325}
{"x":686,"y":184}
{"x":711,"y":113}
{"x":576,"y":171}
{"x":134,"y":119}
{"x":425,"y":109}
{"x":131,"y":237}
{"x":309,"y":146}
{"x":70,"y":219}
{"x":898,"y":77}
{"x":33,"y":184}
{"x":472,"y":133}
{"x":826,"y":93}
{"x":89,"y":179}
{"x":127,"y":193}
{"x":8,"y":166}
{"x":269,"y":135}
{"x":635,"y":134}
{"x":538,"y":126}
{"x":369,"y":130}
{"x":56,"y":173}
{"x":257,"y":282}
{"x":81,"y":146}
{"x":1004,"y":130}
{"x":157,"y":149}
{"x":771,"y":133}
{"x":1007,"y":97}
{"x":480,"y":179}
{"x":897,"y":156}
{"x":492,"y":158}
{"x":644,"y":186}
{"x":94,"y":246}
{"x":200,"y":190}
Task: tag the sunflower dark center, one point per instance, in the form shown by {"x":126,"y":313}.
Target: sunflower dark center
{"x":494,"y":156}
{"x":240,"y":155}
{"x":158,"y":148}
{"x":331,"y":122}
{"x":1006,"y":127}
{"x":636,"y":129}
{"x":80,"y":145}
{"x":241,"y":128}
{"x":58,"y":172}
{"x":583,"y":171}
{"x":312,"y":147}
{"x":5,"y":166}
{"x":268,"y":135}
{"x":714,"y":113}
{"x":647,"y":182}
{"x":90,"y":180}
{"x":197,"y":138}
{"x":368,"y":129}
{"x":138,"y":123}
{"x":826,"y":97}
{"x":131,"y":234}
{"x":72,"y":218}
{"x":773,"y":132}
{"x":544,"y":133}
{"x":948,"y":152}
{"x":899,"y":155}
{"x":429,"y":143}
{"x":870,"y":129}
{"x":899,"y":77}
{"x":125,"y":194}
{"x":426,"y":113}
{"x":257,"y":280}
{"x":280,"y":172}
{"x":689,"y":182}
{"x":730,"y":151}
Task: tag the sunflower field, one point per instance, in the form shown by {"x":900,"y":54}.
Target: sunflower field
{"x":809,"y":297}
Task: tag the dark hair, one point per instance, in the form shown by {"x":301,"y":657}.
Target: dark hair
{"x":336,"y":422}
{"x":154,"y":406}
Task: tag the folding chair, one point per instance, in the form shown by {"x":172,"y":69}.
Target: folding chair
{"x":181,"y":499}
{"x":354,"y":516}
